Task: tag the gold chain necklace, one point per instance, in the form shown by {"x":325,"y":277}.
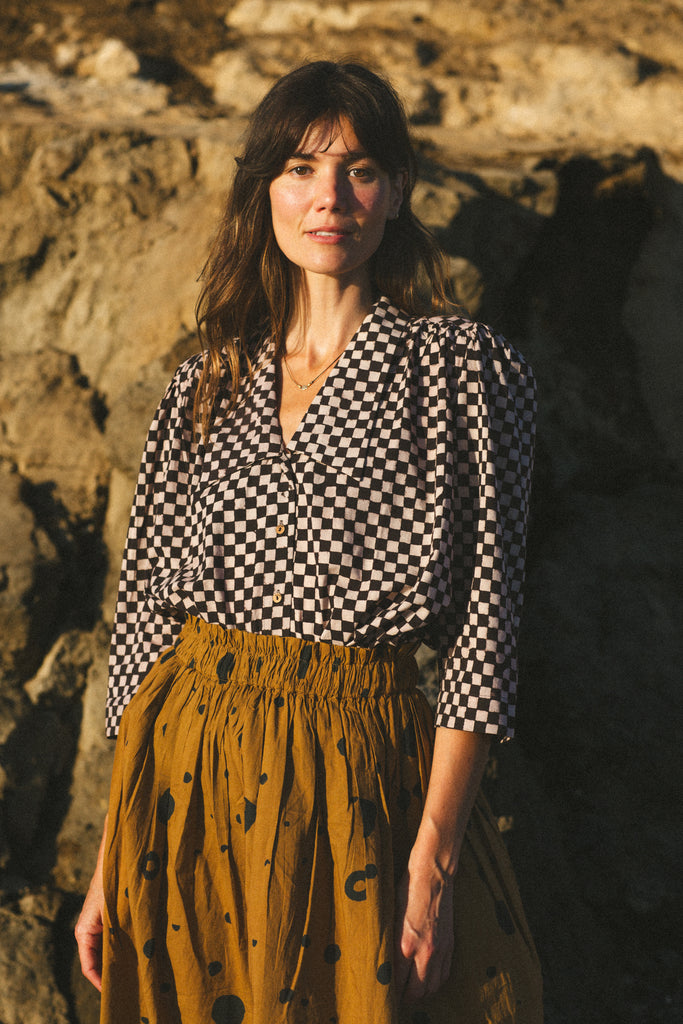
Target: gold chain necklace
{"x":305,"y":387}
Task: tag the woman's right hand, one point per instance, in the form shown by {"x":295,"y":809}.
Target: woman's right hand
{"x":89,"y":926}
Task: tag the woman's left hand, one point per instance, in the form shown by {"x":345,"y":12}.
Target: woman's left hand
{"x":424,"y":930}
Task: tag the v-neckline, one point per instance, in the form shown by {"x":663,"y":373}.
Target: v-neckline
{"x":334,"y":373}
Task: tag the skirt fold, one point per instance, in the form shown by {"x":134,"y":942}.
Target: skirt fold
{"x":265,"y":797}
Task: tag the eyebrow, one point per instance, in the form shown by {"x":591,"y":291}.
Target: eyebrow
{"x":358,"y":154}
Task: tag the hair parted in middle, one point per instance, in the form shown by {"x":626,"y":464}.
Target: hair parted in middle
{"x":249,"y":288}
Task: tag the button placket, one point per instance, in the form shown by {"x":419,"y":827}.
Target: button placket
{"x":283,"y":533}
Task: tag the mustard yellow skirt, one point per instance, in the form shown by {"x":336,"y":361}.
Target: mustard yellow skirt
{"x":265,"y":795}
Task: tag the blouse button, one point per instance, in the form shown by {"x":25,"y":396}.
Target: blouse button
{"x":277,"y":597}
{"x":280,"y":528}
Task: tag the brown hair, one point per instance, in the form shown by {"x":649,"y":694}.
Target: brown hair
{"x":250,"y":289}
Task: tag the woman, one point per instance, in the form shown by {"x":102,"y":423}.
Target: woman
{"x":339,"y":479}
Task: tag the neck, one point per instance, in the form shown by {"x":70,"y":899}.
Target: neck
{"x":327,"y":316}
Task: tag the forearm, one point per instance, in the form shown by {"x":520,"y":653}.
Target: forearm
{"x":457,"y":768}
{"x":100,"y":854}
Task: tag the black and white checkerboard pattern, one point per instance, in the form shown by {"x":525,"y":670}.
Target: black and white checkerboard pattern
{"x":397,"y":512}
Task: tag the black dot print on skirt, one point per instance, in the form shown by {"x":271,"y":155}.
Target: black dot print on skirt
{"x":249,"y":814}
{"x":225,"y":667}
{"x":332,"y":953}
{"x":304,"y":661}
{"x":384,"y":973}
{"x":150,"y":866}
{"x":353,"y":886}
{"x":368,"y":810}
{"x":409,"y":740}
{"x":165,"y":806}
{"x":214,"y":968}
{"x":286,"y":995}
{"x":228,"y":1010}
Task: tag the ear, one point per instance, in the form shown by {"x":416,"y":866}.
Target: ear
{"x":397,"y":188}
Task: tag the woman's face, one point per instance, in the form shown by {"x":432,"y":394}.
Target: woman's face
{"x":330,"y":204}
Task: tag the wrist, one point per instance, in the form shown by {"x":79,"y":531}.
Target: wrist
{"x":435,"y":848}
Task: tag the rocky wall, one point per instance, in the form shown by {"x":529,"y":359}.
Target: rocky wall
{"x":551,"y":157}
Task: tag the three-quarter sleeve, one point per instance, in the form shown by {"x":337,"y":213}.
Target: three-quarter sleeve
{"x":156,"y":545}
{"x":493,"y":410}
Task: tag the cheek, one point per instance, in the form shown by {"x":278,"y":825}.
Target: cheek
{"x":376,"y":217}
{"x":285,"y":202}
{"x":282,"y":208}
{"x":376,"y":207}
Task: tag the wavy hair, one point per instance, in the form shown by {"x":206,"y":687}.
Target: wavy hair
{"x":250,"y":291}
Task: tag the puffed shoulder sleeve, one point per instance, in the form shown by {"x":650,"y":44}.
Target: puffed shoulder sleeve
{"x":493,"y":409}
{"x":156,"y":543}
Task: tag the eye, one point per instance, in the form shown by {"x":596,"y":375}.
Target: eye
{"x":299,"y":170}
{"x":363,"y":173}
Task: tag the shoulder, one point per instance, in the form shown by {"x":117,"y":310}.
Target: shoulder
{"x":179,"y":394}
{"x":174,"y":411}
{"x":184,"y":380}
{"x":464,"y":345}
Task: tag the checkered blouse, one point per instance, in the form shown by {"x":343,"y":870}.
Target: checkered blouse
{"x":397,"y":513}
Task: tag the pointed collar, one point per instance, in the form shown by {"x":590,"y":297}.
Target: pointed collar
{"x":335,"y":427}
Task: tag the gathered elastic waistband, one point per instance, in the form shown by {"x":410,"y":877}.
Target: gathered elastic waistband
{"x":290,"y":664}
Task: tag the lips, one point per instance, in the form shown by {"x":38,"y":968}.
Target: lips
{"x":331,"y":229}
{"x":329,"y":234}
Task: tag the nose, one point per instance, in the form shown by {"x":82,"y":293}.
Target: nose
{"x":333,"y":189}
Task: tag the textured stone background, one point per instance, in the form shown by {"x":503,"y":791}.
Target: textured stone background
{"x":551,"y":145}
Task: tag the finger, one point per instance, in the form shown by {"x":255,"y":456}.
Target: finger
{"x":416,"y":986}
{"x":91,"y":963}
{"x":412,"y":990}
{"x":402,"y":966}
{"x":429,"y":972}
{"x":404,"y":949}
{"x":94,"y":977}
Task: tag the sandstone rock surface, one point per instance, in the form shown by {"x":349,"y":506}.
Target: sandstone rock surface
{"x":550,"y":140}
